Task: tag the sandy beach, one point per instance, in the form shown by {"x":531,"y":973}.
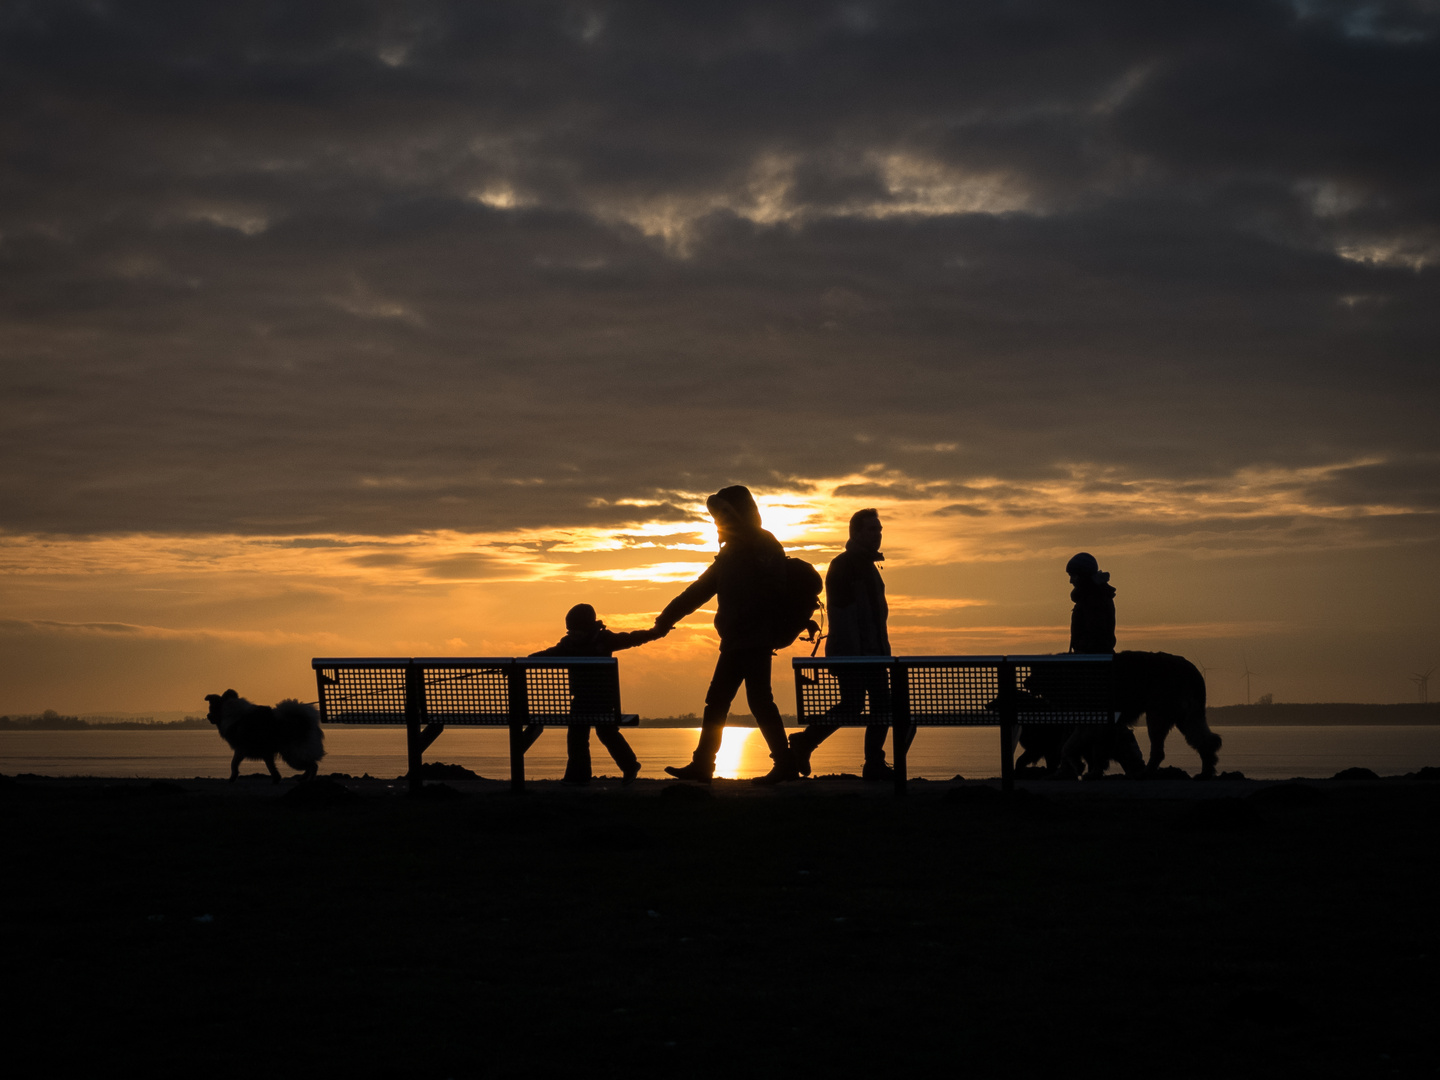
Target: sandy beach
{"x":1176,"y":927}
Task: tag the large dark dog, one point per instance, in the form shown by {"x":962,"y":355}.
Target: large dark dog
{"x":290,"y":729}
{"x":1167,"y":689}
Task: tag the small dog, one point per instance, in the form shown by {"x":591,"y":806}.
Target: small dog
{"x":290,"y":729}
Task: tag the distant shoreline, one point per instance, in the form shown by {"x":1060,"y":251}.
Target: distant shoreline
{"x":52,"y":721}
{"x":1324,"y":714}
{"x":1281,"y":714}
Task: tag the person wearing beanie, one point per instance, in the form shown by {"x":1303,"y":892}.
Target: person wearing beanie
{"x":1092,"y":619}
{"x":855,"y":598}
{"x":1092,"y":630}
{"x":586,"y":635}
{"x":744,"y":580}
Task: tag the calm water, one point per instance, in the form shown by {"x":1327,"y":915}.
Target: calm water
{"x":938,"y":753}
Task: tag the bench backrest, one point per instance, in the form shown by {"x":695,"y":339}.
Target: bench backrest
{"x":475,"y":691}
{"x":955,"y":690}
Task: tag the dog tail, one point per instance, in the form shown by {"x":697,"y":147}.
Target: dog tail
{"x":1192,"y":722}
{"x":302,"y":741}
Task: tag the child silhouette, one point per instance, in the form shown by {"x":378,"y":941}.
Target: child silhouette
{"x":586,"y":635}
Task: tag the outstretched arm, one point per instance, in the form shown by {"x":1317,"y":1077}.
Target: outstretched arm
{"x":615,"y":640}
{"x":698,"y":592}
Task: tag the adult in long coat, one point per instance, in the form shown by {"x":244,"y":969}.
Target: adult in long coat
{"x":858,"y":617}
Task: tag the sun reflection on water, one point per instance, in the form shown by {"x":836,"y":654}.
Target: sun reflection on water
{"x":732,"y":750}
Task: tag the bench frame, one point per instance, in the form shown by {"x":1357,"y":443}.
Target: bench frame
{"x":427,"y":693}
{"x":957,"y":691}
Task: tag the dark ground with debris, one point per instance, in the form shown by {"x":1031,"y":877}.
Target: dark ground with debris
{"x":1167,"y":928}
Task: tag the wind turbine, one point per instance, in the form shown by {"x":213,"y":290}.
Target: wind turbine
{"x":1246,"y":677}
{"x":1422,"y":683}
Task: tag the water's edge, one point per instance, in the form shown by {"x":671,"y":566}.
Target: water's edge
{"x":938,"y":753}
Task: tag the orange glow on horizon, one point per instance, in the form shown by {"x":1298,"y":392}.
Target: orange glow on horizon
{"x":972,"y":568}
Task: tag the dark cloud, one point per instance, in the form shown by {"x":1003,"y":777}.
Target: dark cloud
{"x":904,"y":492}
{"x":467,"y":567}
{"x":381,"y":559}
{"x":378,"y":268}
{"x":1414,"y":484}
{"x":51,"y":626}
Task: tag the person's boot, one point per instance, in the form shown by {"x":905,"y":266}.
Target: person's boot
{"x":877,"y":770}
{"x":782,"y":771}
{"x":875,"y":742}
{"x":801,"y":749}
{"x":702,"y":762}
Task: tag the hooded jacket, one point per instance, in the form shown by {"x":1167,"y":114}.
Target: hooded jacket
{"x":745,"y":577}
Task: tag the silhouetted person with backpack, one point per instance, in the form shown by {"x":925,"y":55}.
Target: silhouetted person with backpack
{"x":858,"y":613}
{"x":586,"y":635}
{"x":747,"y":579}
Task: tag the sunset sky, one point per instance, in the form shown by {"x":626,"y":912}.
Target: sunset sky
{"x":344,"y":329}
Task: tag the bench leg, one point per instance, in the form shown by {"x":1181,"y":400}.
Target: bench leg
{"x":429,"y":735}
{"x":517,"y":757}
{"x":415,"y":752}
{"x":1007,"y":756}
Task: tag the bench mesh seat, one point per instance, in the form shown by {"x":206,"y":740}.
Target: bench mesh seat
{"x":976,"y":691}
{"x":433,"y":692}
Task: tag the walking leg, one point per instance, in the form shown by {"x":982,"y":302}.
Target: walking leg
{"x":876,"y":768}
{"x":767,"y":718}
{"x":620,"y":751}
{"x":577,"y":749}
{"x":702,"y":762}
{"x":803,"y":744}
{"x":729,"y":673}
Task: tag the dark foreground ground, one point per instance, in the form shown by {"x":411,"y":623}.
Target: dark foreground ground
{"x":1168,"y":929}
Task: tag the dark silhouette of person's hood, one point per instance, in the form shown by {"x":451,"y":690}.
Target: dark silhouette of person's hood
{"x":737,"y":504}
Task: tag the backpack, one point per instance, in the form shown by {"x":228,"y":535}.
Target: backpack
{"x":796,"y":598}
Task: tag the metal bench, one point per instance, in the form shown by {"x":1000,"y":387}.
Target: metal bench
{"x":955,"y":691}
{"x":427,"y":693}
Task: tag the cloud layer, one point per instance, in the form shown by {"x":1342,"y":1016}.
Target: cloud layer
{"x":432,"y":266}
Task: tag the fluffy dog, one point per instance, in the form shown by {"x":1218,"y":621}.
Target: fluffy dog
{"x":1167,"y":689}
{"x":1170,"y":691}
{"x":290,"y":729}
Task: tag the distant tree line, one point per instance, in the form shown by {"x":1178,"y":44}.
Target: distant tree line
{"x":1268,"y":713}
{"x":50,"y":720}
{"x":690,"y":720}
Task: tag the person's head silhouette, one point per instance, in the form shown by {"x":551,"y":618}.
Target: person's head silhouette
{"x":582,"y":623}
{"x":865,"y":529}
{"x":734,"y":511}
{"x":1084,"y":569}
